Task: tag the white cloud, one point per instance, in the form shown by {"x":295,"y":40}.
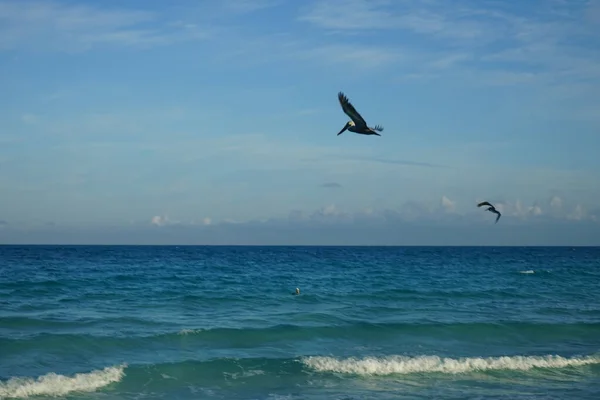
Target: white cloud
{"x":535,"y":210}
{"x":412,"y":223}
{"x":159,"y":220}
{"x":577,"y":214}
{"x":556,"y":202}
{"x":554,"y":209}
{"x":329,"y":214}
{"x":447,"y":204}
{"x":415,"y":212}
{"x":329,"y":210}
{"x":164,"y":220}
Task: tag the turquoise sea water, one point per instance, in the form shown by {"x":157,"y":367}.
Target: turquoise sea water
{"x":127,"y":322}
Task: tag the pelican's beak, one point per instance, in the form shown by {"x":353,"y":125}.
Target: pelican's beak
{"x":344,"y":128}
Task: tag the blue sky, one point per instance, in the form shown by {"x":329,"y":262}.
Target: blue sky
{"x":216,"y":121}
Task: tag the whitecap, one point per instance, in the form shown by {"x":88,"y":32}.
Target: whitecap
{"x":53,"y":384}
{"x":429,"y":364}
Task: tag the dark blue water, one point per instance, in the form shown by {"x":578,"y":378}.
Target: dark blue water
{"x":120,"y":322}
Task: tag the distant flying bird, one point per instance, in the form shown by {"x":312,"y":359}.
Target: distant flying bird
{"x":491,"y":208}
{"x":357,"y":123}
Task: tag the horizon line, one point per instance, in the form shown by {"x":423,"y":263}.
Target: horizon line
{"x":274,"y":245}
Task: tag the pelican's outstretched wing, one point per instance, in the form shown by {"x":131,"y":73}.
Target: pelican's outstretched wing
{"x":350,"y":110}
{"x":484,"y":203}
{"x":498,"y":217}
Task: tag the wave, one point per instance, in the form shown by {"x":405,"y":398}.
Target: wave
{"x":34,"y":326}
{"x":263,"y":371}
{"x":362,"y":331}
{"x":431,"y":364}
{"x":53,"y":384}
{"x":366,"y":330}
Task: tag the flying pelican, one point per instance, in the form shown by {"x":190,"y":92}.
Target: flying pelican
{"x":357,"y":123}
{"x":491,"y":208}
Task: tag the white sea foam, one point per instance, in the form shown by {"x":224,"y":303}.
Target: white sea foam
{"x":425,"y":364}
{"x":244,"y":374}
{"x":59,"y":385}
{"x":529,"y":271}
{"x":185,"y":332}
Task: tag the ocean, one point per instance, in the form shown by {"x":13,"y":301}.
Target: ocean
{"x":194,"y":322}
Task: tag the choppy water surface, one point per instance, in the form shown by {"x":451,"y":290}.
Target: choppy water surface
{"x":122,"y":322}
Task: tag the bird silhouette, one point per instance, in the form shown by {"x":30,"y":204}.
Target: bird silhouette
{"x":491,"y":208}
{"x":357,"y":123}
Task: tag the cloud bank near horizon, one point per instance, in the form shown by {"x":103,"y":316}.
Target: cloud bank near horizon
{"x":541,"y":223}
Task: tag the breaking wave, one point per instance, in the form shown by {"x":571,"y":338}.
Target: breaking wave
{"x":53,"y":384}
{"x":427,"y":364}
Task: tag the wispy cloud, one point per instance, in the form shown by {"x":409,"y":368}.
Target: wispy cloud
{"x":592,"y":11}
{"x":29,"y":118}
{"x":290,"y":47}
{"x":48,"y":25}
{"x":551,"y":44}
{"x":413,"y":223}
{"x":198,"y":128}
{"x":514,"y":212}
{"x":447,"y":204}
{"x":165,"y":220}
{"x":364,"y":57}
{"x":247,"y":6}
{"x":447,"y":61}
{"x":390,"y":161}
{"x":348,"y":15}
{"x":331,"y":185}
{"x":431,"y":18}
